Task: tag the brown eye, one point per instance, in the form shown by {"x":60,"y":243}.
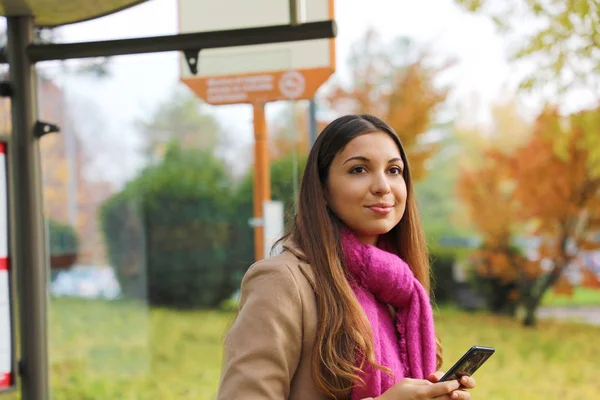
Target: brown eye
{"x":396,"y":170}
{"x":358,"y":170}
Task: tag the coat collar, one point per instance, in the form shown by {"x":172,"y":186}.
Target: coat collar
{"x":292,"y":248}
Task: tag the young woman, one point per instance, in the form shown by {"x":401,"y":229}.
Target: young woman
{"x":344,"y":311}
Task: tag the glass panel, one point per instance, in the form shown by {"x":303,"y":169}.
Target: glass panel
{"x":5,"y":118}
{"x":148,"y":230}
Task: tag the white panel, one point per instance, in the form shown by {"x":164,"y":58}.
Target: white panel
{"x":4,"y":298}
{"x":231,"y":61}
{"x":5,"y":333}
{"x":3,"y":208}
{"x":5,"y":327}
{"x":210,"y":15}
{"x":273,"y":226}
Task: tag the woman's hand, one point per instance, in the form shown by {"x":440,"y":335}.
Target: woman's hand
{"x":420,"y":389}
{"x":466,"y":382}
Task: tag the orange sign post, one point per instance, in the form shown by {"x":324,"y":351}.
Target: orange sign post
{"x":257,"y":74}
{"x":262,"y":174}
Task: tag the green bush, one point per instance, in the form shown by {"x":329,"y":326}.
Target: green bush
{"x":63,"y":238}
{"x":501,"y":295}
{"x":168,"y":232}
{"x":282,"y":182}
{"x":442,"y":282}
{"x":178,"y":235}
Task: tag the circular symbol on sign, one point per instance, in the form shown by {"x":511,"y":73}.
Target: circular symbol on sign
{"x":292,"y":84}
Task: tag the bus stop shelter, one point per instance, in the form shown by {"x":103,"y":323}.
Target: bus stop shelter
{"x":28,"y":256}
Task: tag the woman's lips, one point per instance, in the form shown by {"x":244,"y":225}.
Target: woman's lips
{"x":381,"y":209}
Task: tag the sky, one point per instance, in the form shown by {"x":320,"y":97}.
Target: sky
{"x":107,"y":109}
{"x":472,"y":39}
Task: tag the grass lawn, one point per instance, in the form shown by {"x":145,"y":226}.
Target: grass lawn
{"x":122,"y":351}
{"x":552,"y":361}
{"x":581,"y":297}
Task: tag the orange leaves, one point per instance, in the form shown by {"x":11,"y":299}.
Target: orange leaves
{"x":554,"y":185}
{"x":503,"y":266}
{"x":563,"y":287}
{"x":549,"y":249}
{"x":410,"y":104}
{"x":488,"y":201}
{"x":402,"y":92}
{"x":545,"y":184}
{"x":484,"y":184}
{"x":291,"y":131}
{"x":590,"y":279}
{"x":497,"y":263}
{"x":589,"y":245}
{"x":532,"y":269}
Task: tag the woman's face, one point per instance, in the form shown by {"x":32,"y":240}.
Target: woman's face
{"x":365,"y":187}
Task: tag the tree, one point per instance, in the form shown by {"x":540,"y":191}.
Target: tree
{"x":482,"y":179}
{"x":169,"y":232}
{"x":291,"y":131}
{"x":184,"y":118}
{"x":547,"y":186}
{"x":397,"y":85}
{"x":438,"y":206}
{"x":564,"y":45}
{"x":486,"y":193}
{"x":485,"y":188}
{"x":564,"y":42}
{"x":435,"y":193}
{"x":559,"y":195}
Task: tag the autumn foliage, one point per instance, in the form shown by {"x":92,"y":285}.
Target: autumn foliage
{"x":546,"y":190}
{"x":558,"y":190}
{"x":562,"y":39}
{"x":397,"y":87}
{"x":292,"y":132}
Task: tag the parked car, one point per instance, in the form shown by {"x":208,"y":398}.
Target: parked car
{"x":90,"y":282}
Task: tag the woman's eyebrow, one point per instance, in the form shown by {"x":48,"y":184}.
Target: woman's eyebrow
{"x":365,"y":159}
{"x":359,"y":158}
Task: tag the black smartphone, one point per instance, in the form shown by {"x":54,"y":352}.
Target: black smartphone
{"x":468,"y":363}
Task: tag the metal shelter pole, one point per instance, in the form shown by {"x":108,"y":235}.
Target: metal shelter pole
{"x":312,"y":121}
{"x":182,"y":42}
{"x":297,"y":12}
{"x":27,"y":221}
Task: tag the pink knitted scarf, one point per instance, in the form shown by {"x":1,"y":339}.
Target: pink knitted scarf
{"x":406,"y":345}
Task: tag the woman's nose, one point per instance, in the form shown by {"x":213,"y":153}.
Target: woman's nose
{"x":380,"y":185}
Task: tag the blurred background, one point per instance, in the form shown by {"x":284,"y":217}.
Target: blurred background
{"x":148,"y":191}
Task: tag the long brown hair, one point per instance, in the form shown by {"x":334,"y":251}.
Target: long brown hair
{"x":343,"y":331}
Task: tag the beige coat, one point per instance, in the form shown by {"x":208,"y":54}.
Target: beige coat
{"x":267,"y":351}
